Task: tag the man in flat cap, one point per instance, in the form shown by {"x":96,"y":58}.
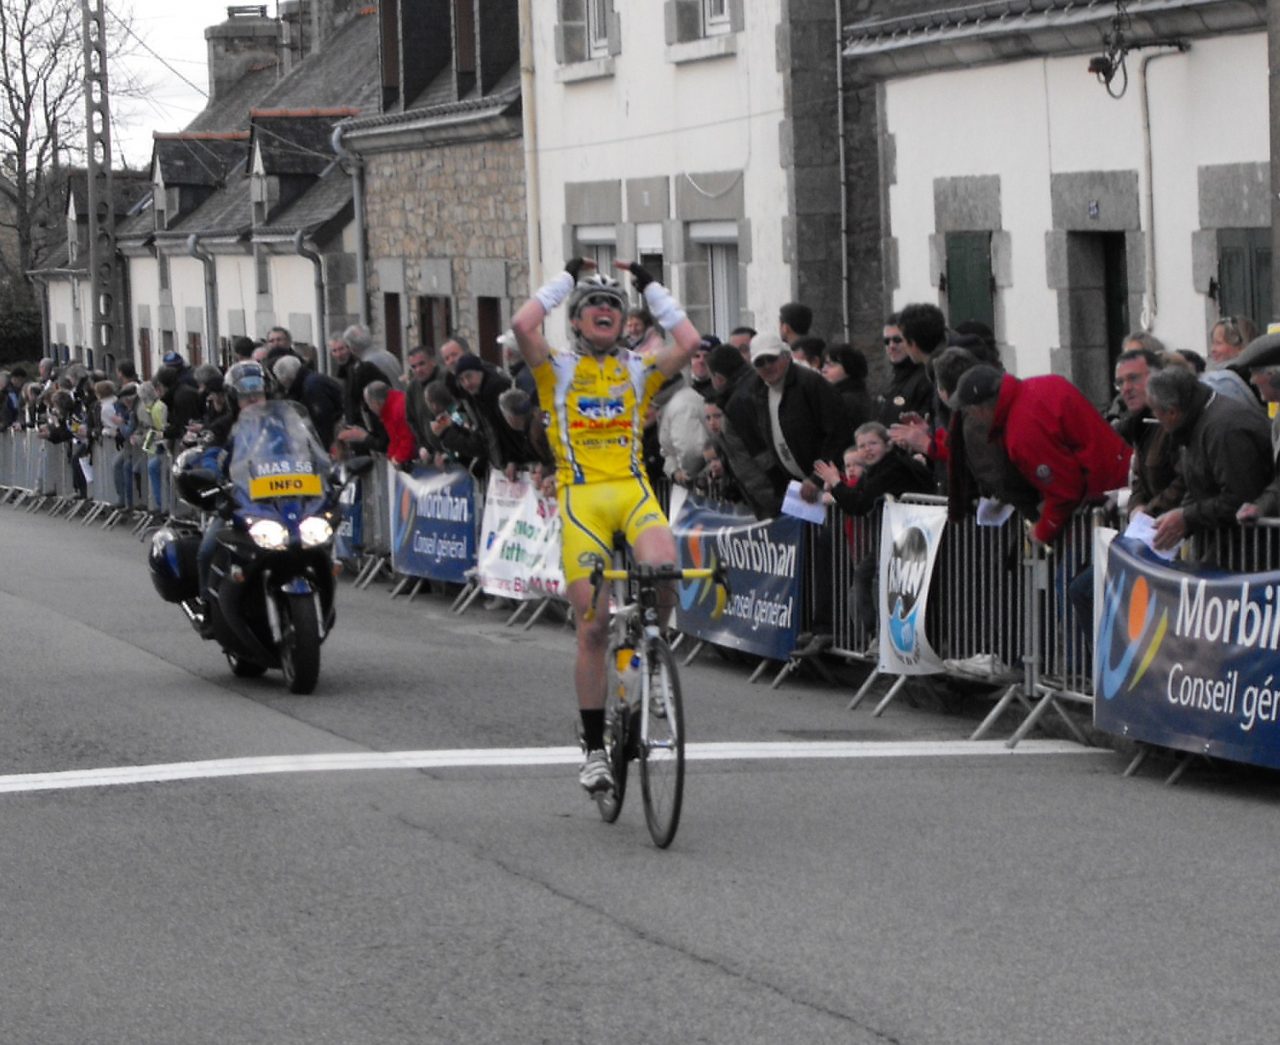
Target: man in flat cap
{"x":1260,"y":364}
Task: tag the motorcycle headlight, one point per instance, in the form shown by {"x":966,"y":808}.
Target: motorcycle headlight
{"x":315,"y":531}
{"x":269,"y":534}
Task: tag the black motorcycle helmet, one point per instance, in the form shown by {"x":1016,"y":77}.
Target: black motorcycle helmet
{"x":197,"y":473}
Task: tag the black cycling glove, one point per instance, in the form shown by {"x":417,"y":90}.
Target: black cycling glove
{"x":640,"y":275}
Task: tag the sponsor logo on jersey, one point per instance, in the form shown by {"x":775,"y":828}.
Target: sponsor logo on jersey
{"x":596,"y":408}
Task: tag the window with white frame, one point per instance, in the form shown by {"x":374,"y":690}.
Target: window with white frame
{"x":598,"y":243}
{"x":587,"y":31}
{"x":715,"y":17}
{"x":598,"y":28}
{"x":718,"y":241}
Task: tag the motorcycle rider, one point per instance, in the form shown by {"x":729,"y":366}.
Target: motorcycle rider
{"x":247,"y":383}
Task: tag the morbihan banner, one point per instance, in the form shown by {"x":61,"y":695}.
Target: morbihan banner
{"x":1188,"y":659}
{"x":519,"y":540}
{"x":348,"y":537}
{"x":909,"y":541}
{"x":763,"y":563}
{"x":433,"y":523}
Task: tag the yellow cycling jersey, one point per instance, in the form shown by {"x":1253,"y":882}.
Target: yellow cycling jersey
{"x":595,"y":407}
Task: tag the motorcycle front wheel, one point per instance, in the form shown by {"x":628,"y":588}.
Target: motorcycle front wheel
{"x":300,"y":642}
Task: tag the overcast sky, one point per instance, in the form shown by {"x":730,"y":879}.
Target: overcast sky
{"x":174,"y":30}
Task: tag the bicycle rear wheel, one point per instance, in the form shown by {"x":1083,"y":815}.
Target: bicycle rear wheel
{"x":617,"y":726}
{"x":661,"y":744}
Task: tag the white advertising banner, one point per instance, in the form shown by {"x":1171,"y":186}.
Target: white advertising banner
{"x":909,"y":544}
{"x":519,"y":554}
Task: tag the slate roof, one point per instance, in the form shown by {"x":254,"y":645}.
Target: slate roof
{"x":230,"y":112}
{"x":227,"y":214}
{"x":295,"y":141}
{"x":327,"y":200}
{"x":344,"y":73}
{"x":128,"y":187}
{"x":194,"y":158}
{"x":504,"y":99}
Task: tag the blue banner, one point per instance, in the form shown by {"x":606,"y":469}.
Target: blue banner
{"x":1188,"y":659}
{"x":348,"y":538}
{"x":433,"y":524}
{"x":764,"y":564}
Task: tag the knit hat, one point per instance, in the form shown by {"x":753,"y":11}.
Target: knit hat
{"x":467,"y":362}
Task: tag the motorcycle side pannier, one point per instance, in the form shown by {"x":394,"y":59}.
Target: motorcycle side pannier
{"x":173,"y":565}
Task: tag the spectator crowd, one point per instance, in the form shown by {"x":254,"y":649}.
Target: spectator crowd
{"x":1187,"y":437}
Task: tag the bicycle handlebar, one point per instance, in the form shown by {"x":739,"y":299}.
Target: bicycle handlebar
{"x":648,"y":573}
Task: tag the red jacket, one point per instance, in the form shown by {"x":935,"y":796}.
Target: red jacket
{"x":401,"y":445}
{"x":1059,"y":442}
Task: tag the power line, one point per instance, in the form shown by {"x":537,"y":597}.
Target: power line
{"x":159,"y":58}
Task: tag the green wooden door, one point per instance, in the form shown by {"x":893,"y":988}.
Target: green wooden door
{"x":1244,"y":274}
{"x":970,"y":288}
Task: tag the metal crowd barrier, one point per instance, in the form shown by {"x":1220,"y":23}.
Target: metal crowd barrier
{"x":999,"y":607}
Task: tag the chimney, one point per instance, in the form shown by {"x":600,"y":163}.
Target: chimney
{"x":328,"y":16}
{"x":248,"y":39}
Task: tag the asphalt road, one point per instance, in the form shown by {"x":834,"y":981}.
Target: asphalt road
{"x":916,"y":889}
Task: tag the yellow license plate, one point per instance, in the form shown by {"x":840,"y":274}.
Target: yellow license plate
{"x":268,"y":486}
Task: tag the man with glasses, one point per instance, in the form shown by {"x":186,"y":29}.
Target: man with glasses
{"x":1156,"y":485}
{"x":909,"y":390}
{"x":596,"y":396}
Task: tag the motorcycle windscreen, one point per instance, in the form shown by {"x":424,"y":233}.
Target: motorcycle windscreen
{"x":275,"y":454}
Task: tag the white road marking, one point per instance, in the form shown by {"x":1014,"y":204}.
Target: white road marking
{"x":116,"y":776}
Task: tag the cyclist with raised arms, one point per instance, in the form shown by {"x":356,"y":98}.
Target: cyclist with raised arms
{"x":595,"y":397}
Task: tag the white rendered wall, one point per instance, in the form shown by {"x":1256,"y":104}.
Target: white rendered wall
{"x":144,"y":290}
{"x":654,"y":118}
{"x":186,"y":285}
{"x":293,"y":291}
{"x":237,"y":290}
{"x":1029,"y":120}
{"x":62,"y":313}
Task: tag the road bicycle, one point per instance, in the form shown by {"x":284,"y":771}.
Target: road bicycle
{"x":644,"y":710}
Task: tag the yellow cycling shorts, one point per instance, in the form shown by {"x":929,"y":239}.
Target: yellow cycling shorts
{"x":591,"y":513}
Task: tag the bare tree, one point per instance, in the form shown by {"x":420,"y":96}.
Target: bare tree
{"x":42,"y":123}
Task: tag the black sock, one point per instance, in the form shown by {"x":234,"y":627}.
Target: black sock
{"x":593,"y":728}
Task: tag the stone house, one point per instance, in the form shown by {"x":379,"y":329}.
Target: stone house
{"x":440,"y":170}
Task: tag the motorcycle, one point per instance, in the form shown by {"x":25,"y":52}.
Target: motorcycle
{"x":271,"y":576}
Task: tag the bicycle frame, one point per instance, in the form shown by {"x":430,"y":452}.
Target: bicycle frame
{"x":635,"y":635}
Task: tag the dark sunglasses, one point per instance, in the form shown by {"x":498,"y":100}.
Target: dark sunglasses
{"x":601,"y":301}
{"x":893,"y":340}
{"x":764,"y":361}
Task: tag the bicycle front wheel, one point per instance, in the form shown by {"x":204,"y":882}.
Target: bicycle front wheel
{"x":661,"y":744}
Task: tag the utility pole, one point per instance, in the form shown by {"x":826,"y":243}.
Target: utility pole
{"x":102,"y":216}
{"x":1273,"y":81}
